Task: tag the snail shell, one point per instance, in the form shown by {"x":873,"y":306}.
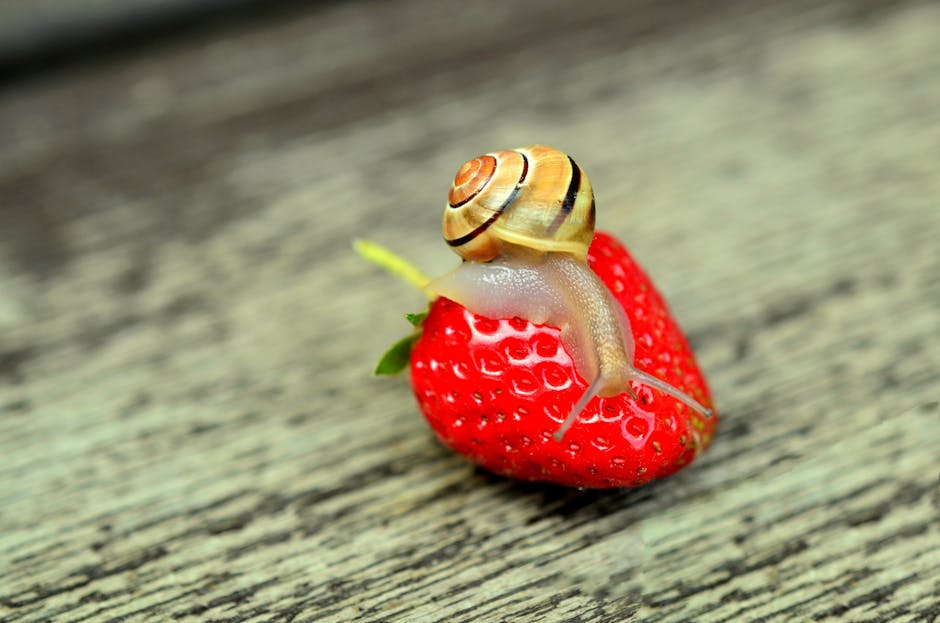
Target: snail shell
{"x":535,"y":197}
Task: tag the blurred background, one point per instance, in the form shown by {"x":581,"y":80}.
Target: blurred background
{"x":188,"y":424}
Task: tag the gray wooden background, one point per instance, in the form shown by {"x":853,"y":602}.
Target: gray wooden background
{"x":188,"y":426}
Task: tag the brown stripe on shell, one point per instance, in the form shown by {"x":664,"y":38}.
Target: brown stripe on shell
{"x":574,"y":185}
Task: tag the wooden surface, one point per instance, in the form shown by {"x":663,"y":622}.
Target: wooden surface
{"x":188,"y":427}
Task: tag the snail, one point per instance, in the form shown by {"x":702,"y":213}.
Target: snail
{"x":522,"y":220}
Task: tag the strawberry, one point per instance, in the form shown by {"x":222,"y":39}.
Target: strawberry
{"x":497,"y":390}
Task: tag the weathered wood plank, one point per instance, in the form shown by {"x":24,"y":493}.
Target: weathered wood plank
{"x":187,"y":424}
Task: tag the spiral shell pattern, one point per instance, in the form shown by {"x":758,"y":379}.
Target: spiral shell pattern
{"x":535,"y":197}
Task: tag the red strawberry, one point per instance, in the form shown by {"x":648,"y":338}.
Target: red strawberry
{"x":497,"y":390}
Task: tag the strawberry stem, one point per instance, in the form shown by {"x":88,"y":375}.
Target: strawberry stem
{"x":395,"y":264}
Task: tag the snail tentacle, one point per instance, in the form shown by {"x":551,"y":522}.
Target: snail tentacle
{"x":589,"y":394}
{"x":672,"y":390}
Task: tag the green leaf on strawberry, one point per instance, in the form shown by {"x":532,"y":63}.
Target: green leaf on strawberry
{"x":416,"y":319}
{"x":397,"y":357}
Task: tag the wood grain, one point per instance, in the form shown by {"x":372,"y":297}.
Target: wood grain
{"x":187,"y":423}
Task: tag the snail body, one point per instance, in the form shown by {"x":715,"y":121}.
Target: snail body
{"x":523,"y":220}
